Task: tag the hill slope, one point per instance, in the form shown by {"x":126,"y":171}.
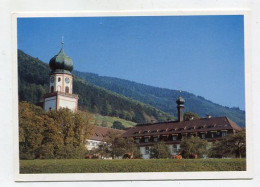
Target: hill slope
{"x":33,"y":77}
{"x":163,"y":99}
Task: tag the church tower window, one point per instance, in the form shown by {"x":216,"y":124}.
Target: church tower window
{"x":67,"y":89}
{"x":52,"y":89}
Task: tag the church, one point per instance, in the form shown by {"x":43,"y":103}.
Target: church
{"x":145,"y":135}
{"x":61,"y":84}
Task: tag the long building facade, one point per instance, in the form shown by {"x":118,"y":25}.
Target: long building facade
{"x":172,"y":132}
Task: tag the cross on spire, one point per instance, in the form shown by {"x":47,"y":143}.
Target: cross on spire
{"x":62,"y":42}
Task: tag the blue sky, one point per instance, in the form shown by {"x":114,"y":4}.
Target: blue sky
{"x":203,"y":55}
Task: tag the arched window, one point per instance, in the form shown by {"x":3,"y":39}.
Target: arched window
{"x":67,"y":89}
{"x":52,"y":89}
{"x":59,"y":79}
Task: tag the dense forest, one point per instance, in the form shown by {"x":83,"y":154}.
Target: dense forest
{"x":34,"y":81}
{"x":163,"y":99}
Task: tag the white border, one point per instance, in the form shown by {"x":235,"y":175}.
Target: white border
{"x":142,"y":175}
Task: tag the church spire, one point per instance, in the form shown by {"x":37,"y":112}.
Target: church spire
{"x":62,"y":41}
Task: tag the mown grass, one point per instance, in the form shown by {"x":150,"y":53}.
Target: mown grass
{"x":138,"y":165}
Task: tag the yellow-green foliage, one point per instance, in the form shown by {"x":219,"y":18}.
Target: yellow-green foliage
{"x":136,"y":165}
{"x":52,"y":134}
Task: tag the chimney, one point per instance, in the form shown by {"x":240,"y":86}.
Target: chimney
{"x":180,"y":107}
{"x":208,"y":116}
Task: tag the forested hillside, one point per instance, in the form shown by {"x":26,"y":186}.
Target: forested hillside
{"x":33,"y":83}
{"x":163,"y":99}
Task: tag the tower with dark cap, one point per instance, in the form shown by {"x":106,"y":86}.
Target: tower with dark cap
{"x":180,"y":107}
{"x":61,"y":84}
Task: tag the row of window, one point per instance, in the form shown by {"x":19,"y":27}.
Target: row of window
{"x":175,"y":137}
{"x":92,"y":143}
{"x":176,"y":129}
{"x":66,"y":89}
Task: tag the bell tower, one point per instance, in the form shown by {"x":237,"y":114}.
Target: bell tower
{"x":61,"y":84}
{"x":180,"y":107}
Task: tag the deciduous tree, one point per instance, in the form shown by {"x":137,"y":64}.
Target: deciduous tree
{"x":233,"y":145}
{"x":160,"y":150}
{"x":117,"y":125}
{"x":193,"y":146}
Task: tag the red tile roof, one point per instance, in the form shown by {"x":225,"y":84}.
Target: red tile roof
{"x":172,"y":127}
{"x":102,"y":133}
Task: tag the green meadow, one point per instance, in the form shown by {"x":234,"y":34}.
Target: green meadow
{"x":135,"y":165}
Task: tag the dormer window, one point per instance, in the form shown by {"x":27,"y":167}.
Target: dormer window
{"x":174,"y":137}
{"x":135,"y":132}
{"x":145,"y":132}
{"x":162,"y":130}
{"x":154,"y":131}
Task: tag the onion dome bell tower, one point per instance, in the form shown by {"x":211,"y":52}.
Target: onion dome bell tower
{"x":180,"y":107}
{"x":61,"y":84}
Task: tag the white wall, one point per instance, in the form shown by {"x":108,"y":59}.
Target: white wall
{"x":171,"y":149}
{"x":67,"y":102}
{"x":50,"y":103}
{"x":145,"y":156}
{"x":92,"y":144}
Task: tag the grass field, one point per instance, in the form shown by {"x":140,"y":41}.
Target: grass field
{"x":138,"y":165}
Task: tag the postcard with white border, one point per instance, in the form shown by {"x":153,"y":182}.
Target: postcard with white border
{"x":132,"y":96}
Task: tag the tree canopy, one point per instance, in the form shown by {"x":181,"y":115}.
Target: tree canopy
{"x":52,"y":134}
{"x":160,"y":150}
{"x":116,"y":146}
{"x":233,"y":145}
{"x":118,"y":125}
{"x":193,"y":145}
